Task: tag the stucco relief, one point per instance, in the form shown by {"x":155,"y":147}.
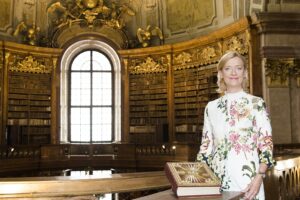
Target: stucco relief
{"x":187,"y":14}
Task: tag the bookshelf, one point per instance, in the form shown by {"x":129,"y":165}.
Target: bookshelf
{"x":193,"y":88}
{"x":148,"y":105}
{"x":29,"y":108}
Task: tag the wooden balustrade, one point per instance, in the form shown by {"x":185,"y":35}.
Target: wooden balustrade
{"x":282,"y":181}
{"x":88,"y":186}
{"x":96,"y":156}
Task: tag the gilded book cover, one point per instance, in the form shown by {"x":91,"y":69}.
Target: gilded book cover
{"x":192,"y":178}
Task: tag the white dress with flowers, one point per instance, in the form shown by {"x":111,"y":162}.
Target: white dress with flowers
{"x":236,"y":139}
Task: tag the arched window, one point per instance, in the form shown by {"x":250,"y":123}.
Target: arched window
{"x":90,"y":93}
{"x":91,"y":104}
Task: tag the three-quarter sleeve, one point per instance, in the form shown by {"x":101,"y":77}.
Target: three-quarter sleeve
{"x":264,"y":130}
{"x":205,"y":152}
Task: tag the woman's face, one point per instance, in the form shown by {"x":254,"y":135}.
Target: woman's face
{"x":233,"y":74}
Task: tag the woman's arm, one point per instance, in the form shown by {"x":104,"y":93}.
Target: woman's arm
{"x":265,"y":148}
{"x":204,"y":154}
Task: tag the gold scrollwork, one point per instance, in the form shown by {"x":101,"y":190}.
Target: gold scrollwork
{"x":149,"y":65}
{"x":207,"y":54}
{"x":29,"y":64}
{"x":145,"y":35}
{"x":183,"y":58}
{"x":237,"y":43}
{"x":90,"y":12}
{"x":278,"y":71}
{"x":30,"y":33}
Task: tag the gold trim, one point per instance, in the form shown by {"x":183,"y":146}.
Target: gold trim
{"x":149,"y":65}
{"x":183,"y":58}
{"x":278,"y":71}
{"x":237,"y":43}
{"x":29,"y":64}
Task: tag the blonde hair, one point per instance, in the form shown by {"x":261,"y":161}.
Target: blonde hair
{"x":223,"y":60}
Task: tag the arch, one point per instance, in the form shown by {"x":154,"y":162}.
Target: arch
{"x":66,"y":59}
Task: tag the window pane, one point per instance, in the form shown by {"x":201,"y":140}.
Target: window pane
{"x":80,"y":133}
{"x":100,"y":62}
{"x":102,"y":133}
{"x":102,"y":124}
{"x":81,"y":80}
{"x":80,"y":116}
{"x":82,"y":61}
{"x":80,"y":89}
{"x":102,"y":80}
{"x":102,"y":115}
{"x":80,"y":124}
{"x":80,"y":97}
{"x":102,"y":92}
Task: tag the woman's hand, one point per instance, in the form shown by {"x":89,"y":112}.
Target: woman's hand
{"x":253,"y":188}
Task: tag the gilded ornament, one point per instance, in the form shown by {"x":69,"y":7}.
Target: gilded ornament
{"x":237,"y":43}
{"x":29,"y":33}
{"x":279,"y":70}
{"x":207,"y":54}
{"x":149,"y":66}
{"x":30,"y":65}
{"x":145,"y":35}
{"x":183,"y":58}
{"x":90,"y":12}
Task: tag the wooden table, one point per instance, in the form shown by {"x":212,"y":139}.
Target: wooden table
{"x":169,"y":195}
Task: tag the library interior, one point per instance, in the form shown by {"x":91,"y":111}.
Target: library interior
{"x":97,"y":95}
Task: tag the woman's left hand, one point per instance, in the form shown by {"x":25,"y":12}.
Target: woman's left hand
{"x":253,"y":188}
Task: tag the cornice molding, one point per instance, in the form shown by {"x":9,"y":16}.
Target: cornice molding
{"x":287,"y":23}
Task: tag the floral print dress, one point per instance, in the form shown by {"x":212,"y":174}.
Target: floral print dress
{"x":236,"y":139}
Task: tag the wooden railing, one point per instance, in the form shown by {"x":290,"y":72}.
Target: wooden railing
{"x":282,"y":181}
{"x":98,"y":156}
{"x":88,"y":186}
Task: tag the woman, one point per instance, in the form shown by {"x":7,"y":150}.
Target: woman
{"x":237,"y":139}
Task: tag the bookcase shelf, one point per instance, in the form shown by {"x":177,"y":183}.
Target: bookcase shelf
{"x":147,"y":105}
{"x":29,"y":107}
{"x":193,"y":88}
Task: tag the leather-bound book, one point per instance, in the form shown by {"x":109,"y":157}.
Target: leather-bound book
{"x":192,"y":179}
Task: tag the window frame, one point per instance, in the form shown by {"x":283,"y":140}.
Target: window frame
{"x":91,"y":89}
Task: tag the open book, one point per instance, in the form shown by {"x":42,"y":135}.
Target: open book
{"x":192,"y":179}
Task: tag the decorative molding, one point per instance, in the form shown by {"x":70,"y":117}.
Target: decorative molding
{"x":198,"y":56}
{"x":28,"y":64}
{"x":210,"y":54}
{"x":183,"y":58}
{"x":149,"y":65}
{"x":278,"y":71}
{"x":237,"y":43}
